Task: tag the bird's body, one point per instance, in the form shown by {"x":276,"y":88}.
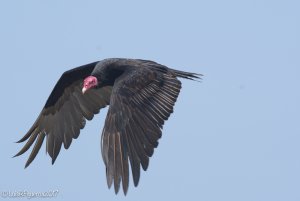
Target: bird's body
{"x":141,"y":95}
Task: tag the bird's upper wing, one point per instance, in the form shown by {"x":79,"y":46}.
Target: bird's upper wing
{"x":65,"y":113}
{"x":140,"y":103}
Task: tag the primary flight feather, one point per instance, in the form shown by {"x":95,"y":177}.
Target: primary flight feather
{"x":141,"y":95}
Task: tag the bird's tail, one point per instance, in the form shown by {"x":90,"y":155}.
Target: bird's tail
{"x":187,"y":75}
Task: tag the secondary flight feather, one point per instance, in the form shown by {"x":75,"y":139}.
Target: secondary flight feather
{"x":141,"y":95}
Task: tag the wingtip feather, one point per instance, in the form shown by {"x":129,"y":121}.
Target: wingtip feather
{"x":35,"y":149}
{"x":27,"y":135}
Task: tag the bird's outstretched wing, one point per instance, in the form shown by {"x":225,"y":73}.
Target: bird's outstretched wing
{"x":141,"y":101}
{"x":65,"y":113}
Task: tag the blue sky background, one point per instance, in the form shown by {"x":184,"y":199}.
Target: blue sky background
{"x":235,"y":136}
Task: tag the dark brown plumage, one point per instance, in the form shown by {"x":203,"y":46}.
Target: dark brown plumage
{"x":141,"y":95}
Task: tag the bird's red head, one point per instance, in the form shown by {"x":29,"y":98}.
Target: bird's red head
{"x":88,"y":83}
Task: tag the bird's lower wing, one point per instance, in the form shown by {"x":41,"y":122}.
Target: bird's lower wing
{"x":140,"y":103}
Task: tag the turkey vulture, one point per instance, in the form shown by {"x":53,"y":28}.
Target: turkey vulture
{"x":141,"y":95}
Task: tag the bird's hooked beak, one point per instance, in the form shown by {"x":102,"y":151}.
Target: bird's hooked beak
{"x":84,"y":90}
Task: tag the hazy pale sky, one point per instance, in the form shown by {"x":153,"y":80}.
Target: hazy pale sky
{"x":234,"y":137}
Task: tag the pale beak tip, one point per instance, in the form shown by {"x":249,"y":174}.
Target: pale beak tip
{"x":84,"y":90}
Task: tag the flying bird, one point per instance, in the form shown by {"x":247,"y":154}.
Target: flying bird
{"x":141,"y":95}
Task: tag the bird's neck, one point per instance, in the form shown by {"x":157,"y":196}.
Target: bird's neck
{"x":111,"y":75}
